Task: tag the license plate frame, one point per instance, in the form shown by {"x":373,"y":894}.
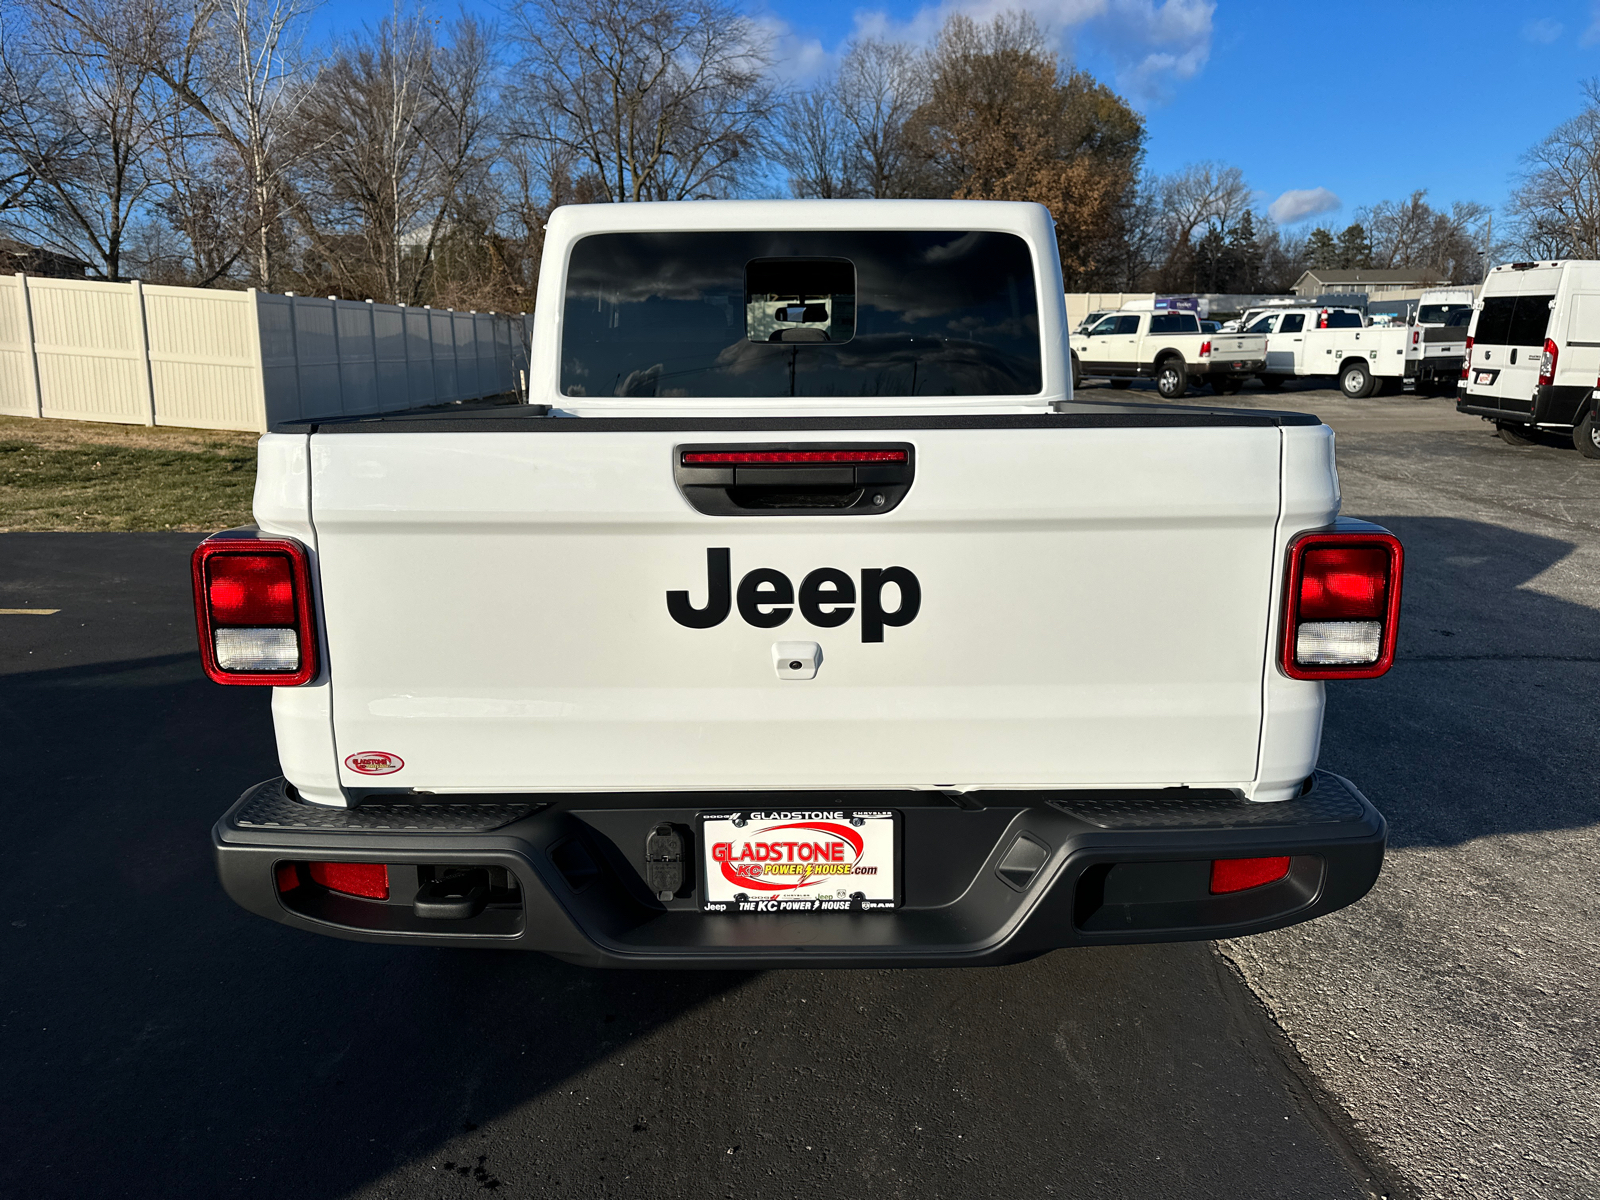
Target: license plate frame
{"x":801,"y":841}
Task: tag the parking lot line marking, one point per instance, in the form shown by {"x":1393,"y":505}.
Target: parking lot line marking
{"x":28,"y":612}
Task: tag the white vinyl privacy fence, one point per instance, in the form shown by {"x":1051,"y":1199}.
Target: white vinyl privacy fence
{"x":143,"y":355}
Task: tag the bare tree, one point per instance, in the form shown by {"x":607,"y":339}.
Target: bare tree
{"x":659,"y":100}
{"x":814,"y":143}
{"x":880,"y":86}
{"x":1412,"y":233}
{"x":1555,"y":211}
{"x":234,"y":63}
{"x":399,"y":125}
{"x":1204,"y":196}
{"x":84,"y":121}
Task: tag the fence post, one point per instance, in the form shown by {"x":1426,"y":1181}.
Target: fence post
{"x":264,"y":423}
{"x":405,"y":347}
{"x":338,"y":353}
{"x":33,"y":346}
{"x":144,"y":352}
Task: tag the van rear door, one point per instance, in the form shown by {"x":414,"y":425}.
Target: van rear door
{"x":1508,"y":337}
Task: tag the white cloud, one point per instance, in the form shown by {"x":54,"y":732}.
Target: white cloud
{"x":796,"y":60}
{"x":1543,"y":31}
{"x":1299,"y":203}
{"x":1591,"y":35}
{"x":1153,"y":44}
{"x":1156,"y":46}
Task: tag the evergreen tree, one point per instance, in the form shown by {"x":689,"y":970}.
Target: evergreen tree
{"x":1321,"y":249}
{"x":1355,"y":250}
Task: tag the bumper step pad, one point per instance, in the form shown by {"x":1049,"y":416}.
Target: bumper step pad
{"x":273,"y":805}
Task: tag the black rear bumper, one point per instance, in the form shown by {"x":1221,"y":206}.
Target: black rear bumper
{"x":1551,"y":405}
{"x":1235,"y":366}
{"x":567,"y":873}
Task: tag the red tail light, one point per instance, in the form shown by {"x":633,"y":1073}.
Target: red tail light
{"x":1416,"y":336}
{"x":1205,"y":349}
{"x":1466,"y":363}
{"x":1342,"y":606}
{"x":369,"y":880}
{"x":1241,"y":874}
{"x":1547,"y":363}
{"x":252,"y":601}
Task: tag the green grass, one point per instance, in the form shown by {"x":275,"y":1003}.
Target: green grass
{"x":71,"y":476}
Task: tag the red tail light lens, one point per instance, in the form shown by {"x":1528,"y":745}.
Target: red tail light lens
{"x":1547,"y":363}
{"x":1416,"y":336}
{"x":1344,"y":582}
{"x":767,"y":458}
{"x":1241,"y":874}
{"x":1205,"y":349}
{"x":250,"y":589}
{"x":1342,"y":606}
{"x":368,"y":880}
{"x":252,"y":598}
{"x":1466,"y":363}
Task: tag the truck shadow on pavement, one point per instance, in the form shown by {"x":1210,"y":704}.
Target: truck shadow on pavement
{"x":1488,"y":722}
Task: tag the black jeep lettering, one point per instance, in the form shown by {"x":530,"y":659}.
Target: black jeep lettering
{"x":821,"y":594}
{"x":873,"y":618}
{"x":719,"y":595}
{"x":764,"y":588}
{"x":827,"y":598}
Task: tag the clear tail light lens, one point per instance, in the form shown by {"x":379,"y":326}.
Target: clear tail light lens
{"x":1342,"y":606}
{"x":1466,"y":363}
{"x":252,"y":598}
{"x":1547,"y":363}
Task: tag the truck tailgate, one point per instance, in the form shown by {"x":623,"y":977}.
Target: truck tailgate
{"x":1238,"y":345}
{"x":1094,"y":609}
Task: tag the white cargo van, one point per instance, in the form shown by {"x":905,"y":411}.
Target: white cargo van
{"x":1533,"y":351}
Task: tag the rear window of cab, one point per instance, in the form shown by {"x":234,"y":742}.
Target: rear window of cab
{"x":801,"y":313}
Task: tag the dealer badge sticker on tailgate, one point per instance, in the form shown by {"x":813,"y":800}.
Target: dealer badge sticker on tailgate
{"x":799,"y":861}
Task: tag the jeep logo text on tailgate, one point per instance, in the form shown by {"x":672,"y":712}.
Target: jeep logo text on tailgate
{"x":827,"y":598}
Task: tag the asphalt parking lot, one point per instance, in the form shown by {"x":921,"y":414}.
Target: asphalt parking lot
{"x":1435,"y":1039}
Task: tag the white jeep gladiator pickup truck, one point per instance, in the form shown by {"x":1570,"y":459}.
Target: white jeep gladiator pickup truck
{"x":800,"y":618}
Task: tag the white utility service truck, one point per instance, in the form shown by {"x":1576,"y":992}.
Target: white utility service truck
{"x":802,"y":617}
{"x":1333,"y":342}
{"x":1169,"y":347}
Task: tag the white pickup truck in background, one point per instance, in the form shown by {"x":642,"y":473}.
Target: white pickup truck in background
{"x":803,"y":617}
{"x":1169,"y":347}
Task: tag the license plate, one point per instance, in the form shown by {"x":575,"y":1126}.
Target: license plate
{"x":1485,"y":378}
{"x":799,"y":861}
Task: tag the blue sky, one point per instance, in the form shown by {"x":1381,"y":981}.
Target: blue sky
{"x":1325,"y":106}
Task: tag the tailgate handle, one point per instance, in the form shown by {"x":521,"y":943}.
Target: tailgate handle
{"x":772,"y":479}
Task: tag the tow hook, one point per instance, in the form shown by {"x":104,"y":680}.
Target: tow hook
{"x":454,"y":898}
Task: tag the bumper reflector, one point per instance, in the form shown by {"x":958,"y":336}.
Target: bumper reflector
{"x":370,"y":880}
{"x":1241,"y":874}
{"x":258,"y":649}
{"x":1338,"y":643}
